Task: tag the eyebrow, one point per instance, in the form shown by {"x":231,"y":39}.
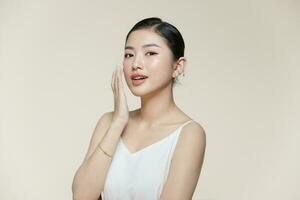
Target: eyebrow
{"x":144,"y":46}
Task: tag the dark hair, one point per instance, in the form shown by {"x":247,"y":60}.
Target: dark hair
{"x":167,"y":31}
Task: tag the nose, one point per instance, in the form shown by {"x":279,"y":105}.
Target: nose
{"x":136,"y":65}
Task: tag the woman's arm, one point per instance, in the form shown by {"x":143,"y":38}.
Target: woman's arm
{"x":88,"y":182}
{"x":90,"y":177}
{"x":186,"y":164}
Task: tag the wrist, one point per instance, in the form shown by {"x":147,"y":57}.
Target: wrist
{"x":118,"y":123}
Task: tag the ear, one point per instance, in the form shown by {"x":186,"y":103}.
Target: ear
{"x":179,"y":66}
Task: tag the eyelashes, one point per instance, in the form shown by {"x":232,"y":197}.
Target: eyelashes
{"x":130,"y":55}
{"x":127,"y":54}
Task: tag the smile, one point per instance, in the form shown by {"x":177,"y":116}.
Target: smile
{"x":137,"y":82}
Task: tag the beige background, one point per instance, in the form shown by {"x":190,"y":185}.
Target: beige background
{"x":241,"y":84}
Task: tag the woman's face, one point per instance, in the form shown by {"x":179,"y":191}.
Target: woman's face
{"x":147,"y":53}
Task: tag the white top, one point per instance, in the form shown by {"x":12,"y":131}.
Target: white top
{"x":140,"y":175}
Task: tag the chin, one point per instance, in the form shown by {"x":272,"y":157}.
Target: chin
{"x":139,"y":91}
{"x":143,"y":91}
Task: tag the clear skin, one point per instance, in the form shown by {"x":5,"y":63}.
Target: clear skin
{"x":156,"y":93}
{"x":157,"y":107}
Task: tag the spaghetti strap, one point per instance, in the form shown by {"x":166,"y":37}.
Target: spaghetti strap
{"x":186,"y":122}
{"x":182,"y":125}
{"x":175,"y":141}
{"x":128,"y":170}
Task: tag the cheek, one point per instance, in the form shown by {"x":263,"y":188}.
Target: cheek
{"x":126,"y":70}
{"x":160,"y":67}
{"x":126,"y":66}
{"x":126,"y":62}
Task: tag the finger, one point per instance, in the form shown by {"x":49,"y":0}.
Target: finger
{"x":114,"y":82}
{"x":116,"y":85}
{"x":113,"y":88}
{"x":122,"y":91}
{"x":122,"y":75}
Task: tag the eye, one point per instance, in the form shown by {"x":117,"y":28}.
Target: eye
{"x":151,"y":53}
{"x":127,"y":54}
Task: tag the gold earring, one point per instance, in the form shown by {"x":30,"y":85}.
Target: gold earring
{"x":174,"y":74}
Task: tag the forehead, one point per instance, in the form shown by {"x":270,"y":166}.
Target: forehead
{"x":139,"y":38}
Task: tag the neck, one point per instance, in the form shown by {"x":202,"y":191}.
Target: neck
{"x":155,"y":108}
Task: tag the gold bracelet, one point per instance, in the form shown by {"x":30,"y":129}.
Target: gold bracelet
{"x":99,"y":147}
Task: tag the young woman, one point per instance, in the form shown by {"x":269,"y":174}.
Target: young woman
{"x":156,"y":151}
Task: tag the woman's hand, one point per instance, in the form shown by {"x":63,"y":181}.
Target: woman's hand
{"x":121,"y":113}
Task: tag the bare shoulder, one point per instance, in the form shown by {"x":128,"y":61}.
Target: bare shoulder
{"x":106,"y":118}
{"x":191,"y":141}
{"x":193,"y":133}
{"x":102,"y":125}
{"x":187,"y":169}
{"x":100,"y":129}
{"x":194,"y":126}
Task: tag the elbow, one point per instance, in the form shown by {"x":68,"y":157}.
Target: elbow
{"x":84,"y":197}
{"x":80,"y":195}
{"x":82,"y":190}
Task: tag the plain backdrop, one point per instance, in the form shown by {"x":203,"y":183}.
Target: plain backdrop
{"x":241,"y":84}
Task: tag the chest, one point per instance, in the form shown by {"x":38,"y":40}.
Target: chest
{"x":136,"y":138}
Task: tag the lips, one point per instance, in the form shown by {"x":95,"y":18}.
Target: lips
{"x":137,"y":75}
{"x":138,"y":79}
